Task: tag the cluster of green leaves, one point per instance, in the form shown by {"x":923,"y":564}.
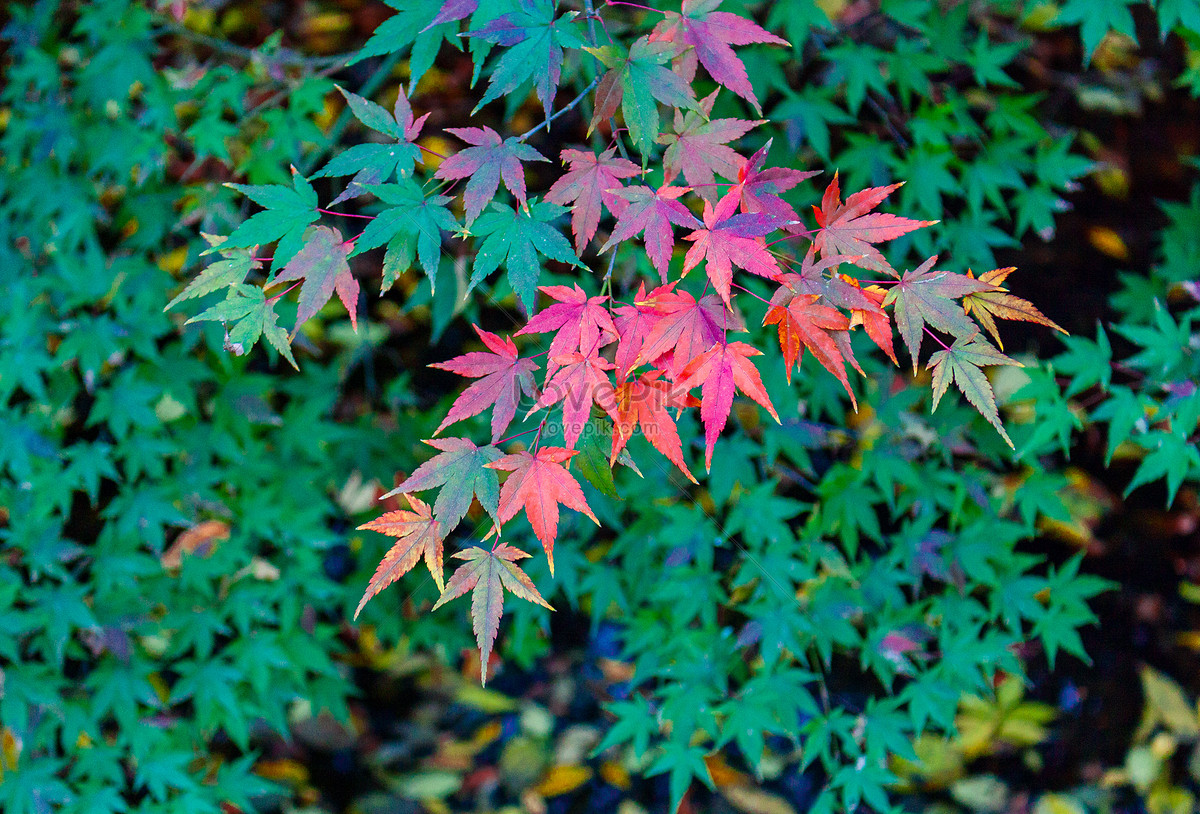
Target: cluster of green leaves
{"x":145,"y":652}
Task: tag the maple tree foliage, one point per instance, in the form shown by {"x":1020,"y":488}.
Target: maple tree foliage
{"x":617,"y":362}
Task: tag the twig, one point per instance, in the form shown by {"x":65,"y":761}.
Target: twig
{"x":570,"y":106}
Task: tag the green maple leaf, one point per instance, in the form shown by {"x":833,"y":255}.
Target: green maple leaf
{"x":487,"y":574}
{"x":927,"y":296}
{"x":287,"y":213}
{"x":412,"y":227}
{"x":253,"y":316}
{"x":963,"y":362}
{"x":515,"y":237}
{"x":224,"y":273}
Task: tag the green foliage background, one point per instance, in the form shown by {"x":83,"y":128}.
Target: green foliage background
{"x":761,"y":608}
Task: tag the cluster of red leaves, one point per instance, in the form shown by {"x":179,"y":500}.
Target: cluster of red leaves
{"x":640,"y":363}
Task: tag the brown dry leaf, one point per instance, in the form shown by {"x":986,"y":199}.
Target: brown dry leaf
{"x":200,"y":540}
{"x":562,"y":779}
{"x":756,"y":801}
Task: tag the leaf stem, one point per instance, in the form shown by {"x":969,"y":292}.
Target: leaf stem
{"x":345,"y":214}
{"x":748,"y":291}
{"x":281,"y":293}
{"x":632,"y":5}
{"x":431,"y":152}
{"x":791,"y":235}
{"x":516,"y":435}
{"x":936,"y":338}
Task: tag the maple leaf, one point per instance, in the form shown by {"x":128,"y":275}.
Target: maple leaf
{"x":636,"y":82}
{"x":875,"y":320}
{"x":838,"y":290}
{"x":502,"y":378}
{"x":685,"y":327}
{"x":633,"y":323}
{"x":373,"y":163}
{"x":516,"y":237}
{"x":652,"y":210}
{"x":534,"y":41}
{"x":720,"y":371}
{"x":698,"y":148}
{"x":578,"y":322}
{"x":851,"y":228}
{"x":412,"y":220}
{"x":927,"y":296}
{"x":588,"y":184}
{"x":806,"y":323}
{"x":711,"y":33}
{"x":989,"y":305}
{"x":729,"y":239}
{"x":321,"y":263}
{"x":452,"y":11}
{"x":253,"y":316}
{"x":539,"y":483}
{"x":645,"y":401}
{"x":484,"y":165}
{"x":286,"y":214}
{"x":578,"y":383}
{"x":420,"y":535}
{"x":460,"y":470}
{"x":760,"y":188}
{"x":962,"y":362}
{"x":487,"y":574}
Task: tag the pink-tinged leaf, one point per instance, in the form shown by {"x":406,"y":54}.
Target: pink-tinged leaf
{"x":720,"y":372}
{"x":760,"y":189}
{"x":404,"y":117}
{"x":647,"y":402}
{"x":579,"y":382}
{"x":804,"y":322}
{"x":487,"y":573}
{"x":322,"y":264}
{"x":711,"y":33}
{"x":634,"y":323}
{"x":729,"y":240}
{"x":685,"y":328}
{"x":451,"y":11}
{"x":588,"y":184}
{"x":698,"y":149}
{"x":485,"y":164}
{"x":652,"y":211}
{"x":924,"y":295}
{"x":502,"y":378}
{"x":419,"y":536}
{"x":538,"y":484}
{"x":578,"y":322}
{"x":820,"y":277}
{"x":460,"y":470}
{"x":847,"y":228}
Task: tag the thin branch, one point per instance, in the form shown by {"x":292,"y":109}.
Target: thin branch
{"x":225,"y":46}
{"x":570,"y":106}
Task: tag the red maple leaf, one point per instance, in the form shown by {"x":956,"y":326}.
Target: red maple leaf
{"x":710,"y":33}
{"x":686,"y":327}
{"x":502,"y":378}
{"x":698,"y":148}
{"x":875,"y":319}
{"x":484,"y":165}
{"x":634,"y":322}
{"x":321,"y":263}
{"x":805,"y":323}
{"x":419,"y":535}
{"x":729,"y":240}
{"x":653,"y":211}
{"x":580,"y":382}
{"x":847,"y":228}
{"x":579,"y":323}
{"x":487,"y":573}
{"x":645,"y":401}
{"x":539,"y":483}
{"x":760,"y":188}
{"x":720,"y":371}
{"x":588,"y":184}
